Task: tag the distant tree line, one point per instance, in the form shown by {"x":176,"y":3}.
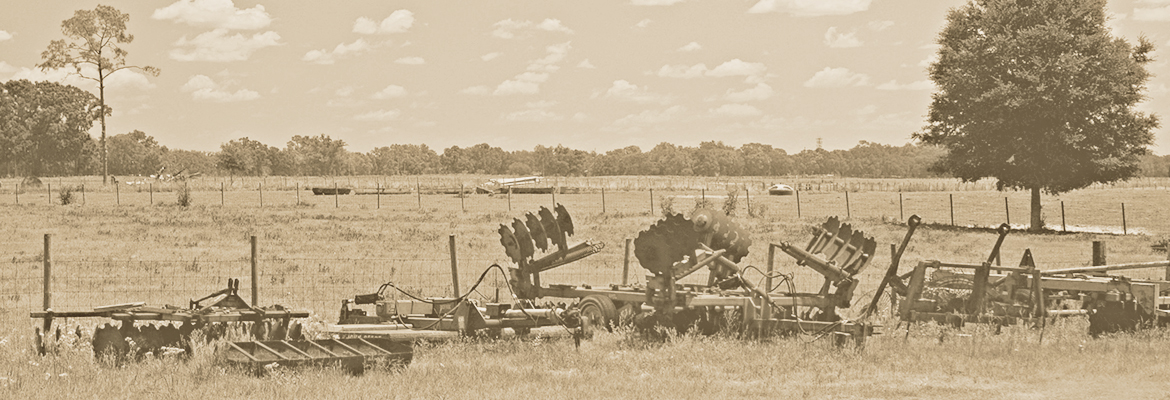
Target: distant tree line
{"x":44,"y":132}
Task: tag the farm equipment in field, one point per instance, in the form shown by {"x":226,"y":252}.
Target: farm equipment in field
{"x":440,"y":318}
{"x":957,"y":293}
{"x":276,"y":338}
{"x":675,"y":248}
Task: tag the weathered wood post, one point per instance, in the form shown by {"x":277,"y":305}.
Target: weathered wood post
{"x":952,"y":200}
{"x":1007,"y":213}
{"x":651,"y":201}
{"x":848,"y":212}
{"x":1123,"y":227}
{"x":1063,"y":227}
{"x":454,"y":268}
{"x":626,"y":264}
{"x":797,"y":204}
{"x":151,"y":190}
{"x":255,"y":274}
{"x":1098,"y":252}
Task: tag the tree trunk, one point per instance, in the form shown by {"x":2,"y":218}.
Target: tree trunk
{"x":102,"y":93}
{"x":1037,"y":222}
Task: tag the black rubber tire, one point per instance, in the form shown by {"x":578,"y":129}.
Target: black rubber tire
{"x":599,"y":311}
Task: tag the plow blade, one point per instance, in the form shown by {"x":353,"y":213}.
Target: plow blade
{"x":352,"y":354}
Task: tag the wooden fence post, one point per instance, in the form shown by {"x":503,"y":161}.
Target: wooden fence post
{"x":747,"y":194}
{"x":17,"y":193}
{"x":261,"y":186}
{"x":151,"y":189}
{"x":117,"y":194}
{"x":48,"y":270}
{"x":1098,"y":253}
{"x":49,"y":192}
{"x":901,"y":210}
{"x":221,"y":193}
{"x":379,"y":196}
{"x":462,"y":198}
{"x":418,"y":190}
{"x":255,"y":274}
{"x":83,"y":200}
{"x":454,"y":268}
{"x":797,"y":204}
{"x":848,"y":212}
{"x":626,"y":264}
{"x":298,"y":193}
{"x":651,"y":201}
{"x":603,"y":199}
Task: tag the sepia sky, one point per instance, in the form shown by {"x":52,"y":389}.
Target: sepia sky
{"x":592,"y":75}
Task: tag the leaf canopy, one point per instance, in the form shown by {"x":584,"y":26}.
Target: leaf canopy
{"x":1038,"y":94}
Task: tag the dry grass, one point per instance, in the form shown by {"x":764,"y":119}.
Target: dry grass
{"x":313,"y":255}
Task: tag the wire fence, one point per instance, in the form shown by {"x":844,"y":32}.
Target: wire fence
{"x":1119,"y":211}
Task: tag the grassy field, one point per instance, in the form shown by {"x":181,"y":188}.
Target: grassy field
{"x":313,"y":254}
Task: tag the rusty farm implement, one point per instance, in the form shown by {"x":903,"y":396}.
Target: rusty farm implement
{"x":959,"y":293}
{"x":136,"y":330}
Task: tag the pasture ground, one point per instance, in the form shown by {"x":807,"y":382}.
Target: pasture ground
{"x":314,"y":254}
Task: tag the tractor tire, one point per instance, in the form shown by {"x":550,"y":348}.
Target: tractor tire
{"x":598,"y":312}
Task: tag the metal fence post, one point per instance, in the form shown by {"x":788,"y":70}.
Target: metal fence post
{"x":1007,"y":213}
{"x":1123,"y":230}
{"x":951,"y":196}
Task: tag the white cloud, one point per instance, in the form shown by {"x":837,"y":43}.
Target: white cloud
{"x":626,"y":91}
{"x":648,"y":117}
{"x":761,"y":92}
{"x":556,"y":53}
{"x":537,"y":72}
{"x":880,"y":25}
{"x":535,"y":115}
{"x":203,"y":88}
{"x":735,"y":110}
{"x":525,"y":83}
{"x":505,"y":29}
{"x":6,"y":67}
{"x":328,"y":57}
{"x":655,"y":2}
{"x":4,"y":35}
{"x":344,"y":91}
{"x":811,"y":8}
{"x":1152,"y":14}
{"x":916,"y":85}
{"x":490,"y":56}
{"x":217,"y":46}
{"x":837,"y":77}
{"x":682,"y":71}
{"x":579,"y":117}
{"x":692,"y":46}
{"x":390,"y":92}
{"x":585,"y":64}
{"x":841,"y":40}
{"x":738,"y":67}
{"x":214,"y":13}
{"x":930,"y":59}
{"x":379,"y":115}
{"x":643,"y":23}
{"x":398,"y":22}
{"x":411,"y":61}
{"x":537,"y":111}
{"x":477,"y":90}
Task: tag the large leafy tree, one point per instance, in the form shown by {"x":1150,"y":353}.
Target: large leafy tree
{"x":1039,"y":95}
{"x":93,"y":49}
{"x":44,"y":127}
{"x":245,"y":156}
{"x":318,"y":155}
